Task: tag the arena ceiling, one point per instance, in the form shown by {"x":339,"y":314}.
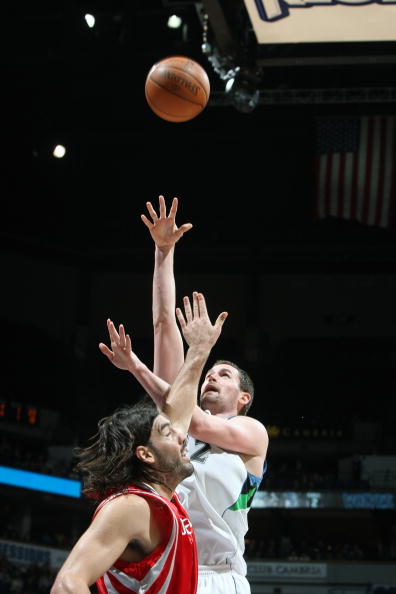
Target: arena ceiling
{"x":84,"y":87}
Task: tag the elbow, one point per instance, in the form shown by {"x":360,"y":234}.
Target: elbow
{"x":57,"y":586}
{"x":67,"y":583}
{"x":197,"y":424}
{"x":163,"y":322}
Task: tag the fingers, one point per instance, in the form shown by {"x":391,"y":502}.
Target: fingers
{"x":152,"y":212}
{"x":162,"y":207}
{"x":173,"y":209}
{"x":122,"y":337}
{"x":196,"y":298}
{"x":162,"y":212}
{"x":221,"y":319}
{"x":195,"y":324}
{"x":118,"y":340}
{"x":162,"y":219}
{"x":199,"y":307}
{"x":202,"y":304}
{"x":187,"y":309}
{"x":181,"y":319}
{"x":184,"y":228}
{"x":145,"y":220}
{"x":106,"y":351}
{"x":178,"y":233}
{"x":128,"y":345}
{"x":114,"y":337}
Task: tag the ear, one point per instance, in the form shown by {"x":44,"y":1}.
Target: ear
{"x":244,"y":399}
{"x":145,"y":454}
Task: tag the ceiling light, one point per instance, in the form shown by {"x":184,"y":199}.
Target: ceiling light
{"x":174,"y":22}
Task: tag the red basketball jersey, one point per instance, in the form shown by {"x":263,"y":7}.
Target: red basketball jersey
{"x":172,"y":568}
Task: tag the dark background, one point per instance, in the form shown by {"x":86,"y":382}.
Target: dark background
{"x":311,"y":303}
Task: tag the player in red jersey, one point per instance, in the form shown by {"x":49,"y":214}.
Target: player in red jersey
{"x":140,"y":538}
{"x":171,"y":566}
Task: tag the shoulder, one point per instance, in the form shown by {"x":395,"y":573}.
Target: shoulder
{"x":254,"y":429}
{"x":250,"y":424}
{"x":131,"y":517}
{"x":120,"y":505}
{"x":124,"y":516}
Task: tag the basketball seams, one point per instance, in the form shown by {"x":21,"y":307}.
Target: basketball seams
{"x":153,"y":106}
{"x":199,"y":83}
{"x":176,"y":95}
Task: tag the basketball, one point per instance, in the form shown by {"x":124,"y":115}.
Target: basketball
{"x":177,"y":88}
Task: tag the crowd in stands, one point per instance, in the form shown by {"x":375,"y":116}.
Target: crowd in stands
{"x":18,"y":578}
{"x":33,"y":457}
{"x":296,"y":475}
{"x":281,"y":475}
{"x":286,"y":548}
{"x":46,"y":538}
{"x":25,"y":579}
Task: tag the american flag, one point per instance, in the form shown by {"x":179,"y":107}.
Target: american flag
{"x":355,"y":168}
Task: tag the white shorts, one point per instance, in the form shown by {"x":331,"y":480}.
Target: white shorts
{"x":221,"y":580}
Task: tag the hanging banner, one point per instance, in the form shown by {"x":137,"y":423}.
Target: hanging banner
{"x":323,"y":499}
{"x":27,"y":554}
{"x":322,"y":21}
{"x":285,"y":572}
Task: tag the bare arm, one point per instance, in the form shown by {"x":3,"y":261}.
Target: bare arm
{"x":178,"y":401}
{"x":104,"y":541}
{"x":123,"y":357}
{"x":200,"y":336}
{"x":243,"y":435}
{"x":168,"y":342}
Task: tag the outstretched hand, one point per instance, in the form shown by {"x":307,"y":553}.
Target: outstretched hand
{"x":163,"y":229}
{"x":195,"y":324}
{"x":120,"y":354}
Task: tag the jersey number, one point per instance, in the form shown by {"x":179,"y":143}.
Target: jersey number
{"x":198,"y":455}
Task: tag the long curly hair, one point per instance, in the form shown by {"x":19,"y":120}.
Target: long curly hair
{"x":110,"y":462}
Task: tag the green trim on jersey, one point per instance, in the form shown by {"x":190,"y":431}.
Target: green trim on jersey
{"x":244,"y":500}
{"x":248,"y":491}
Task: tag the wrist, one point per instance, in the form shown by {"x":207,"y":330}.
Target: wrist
{"x":134,"y":365}
{"x":198,"y":351}
{"x":165,"y":249}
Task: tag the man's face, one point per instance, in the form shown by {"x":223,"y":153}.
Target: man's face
{"x":169,"y":446}
{"x":221,"y":388}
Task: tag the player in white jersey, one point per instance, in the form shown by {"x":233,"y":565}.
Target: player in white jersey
{"x":228,"y":449}
{"x":218,"y":498}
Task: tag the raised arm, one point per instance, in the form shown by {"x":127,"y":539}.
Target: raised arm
{"x":123,"y":357}
{"x":200,"y":336}
{"x":179,"y":400}
{"x":241,"y":434}
{"x":168,"y":342}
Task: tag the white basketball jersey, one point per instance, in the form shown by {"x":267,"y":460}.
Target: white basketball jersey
{"x":217,"y":498}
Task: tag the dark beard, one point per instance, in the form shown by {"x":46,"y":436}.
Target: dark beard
{"x":177,"y":468}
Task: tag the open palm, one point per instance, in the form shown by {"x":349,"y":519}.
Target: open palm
{"x":163,"y":228}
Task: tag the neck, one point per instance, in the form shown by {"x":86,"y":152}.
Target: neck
{"x":161,"y":488}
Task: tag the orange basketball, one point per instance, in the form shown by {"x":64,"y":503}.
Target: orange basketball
{"x":177,"y":88}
